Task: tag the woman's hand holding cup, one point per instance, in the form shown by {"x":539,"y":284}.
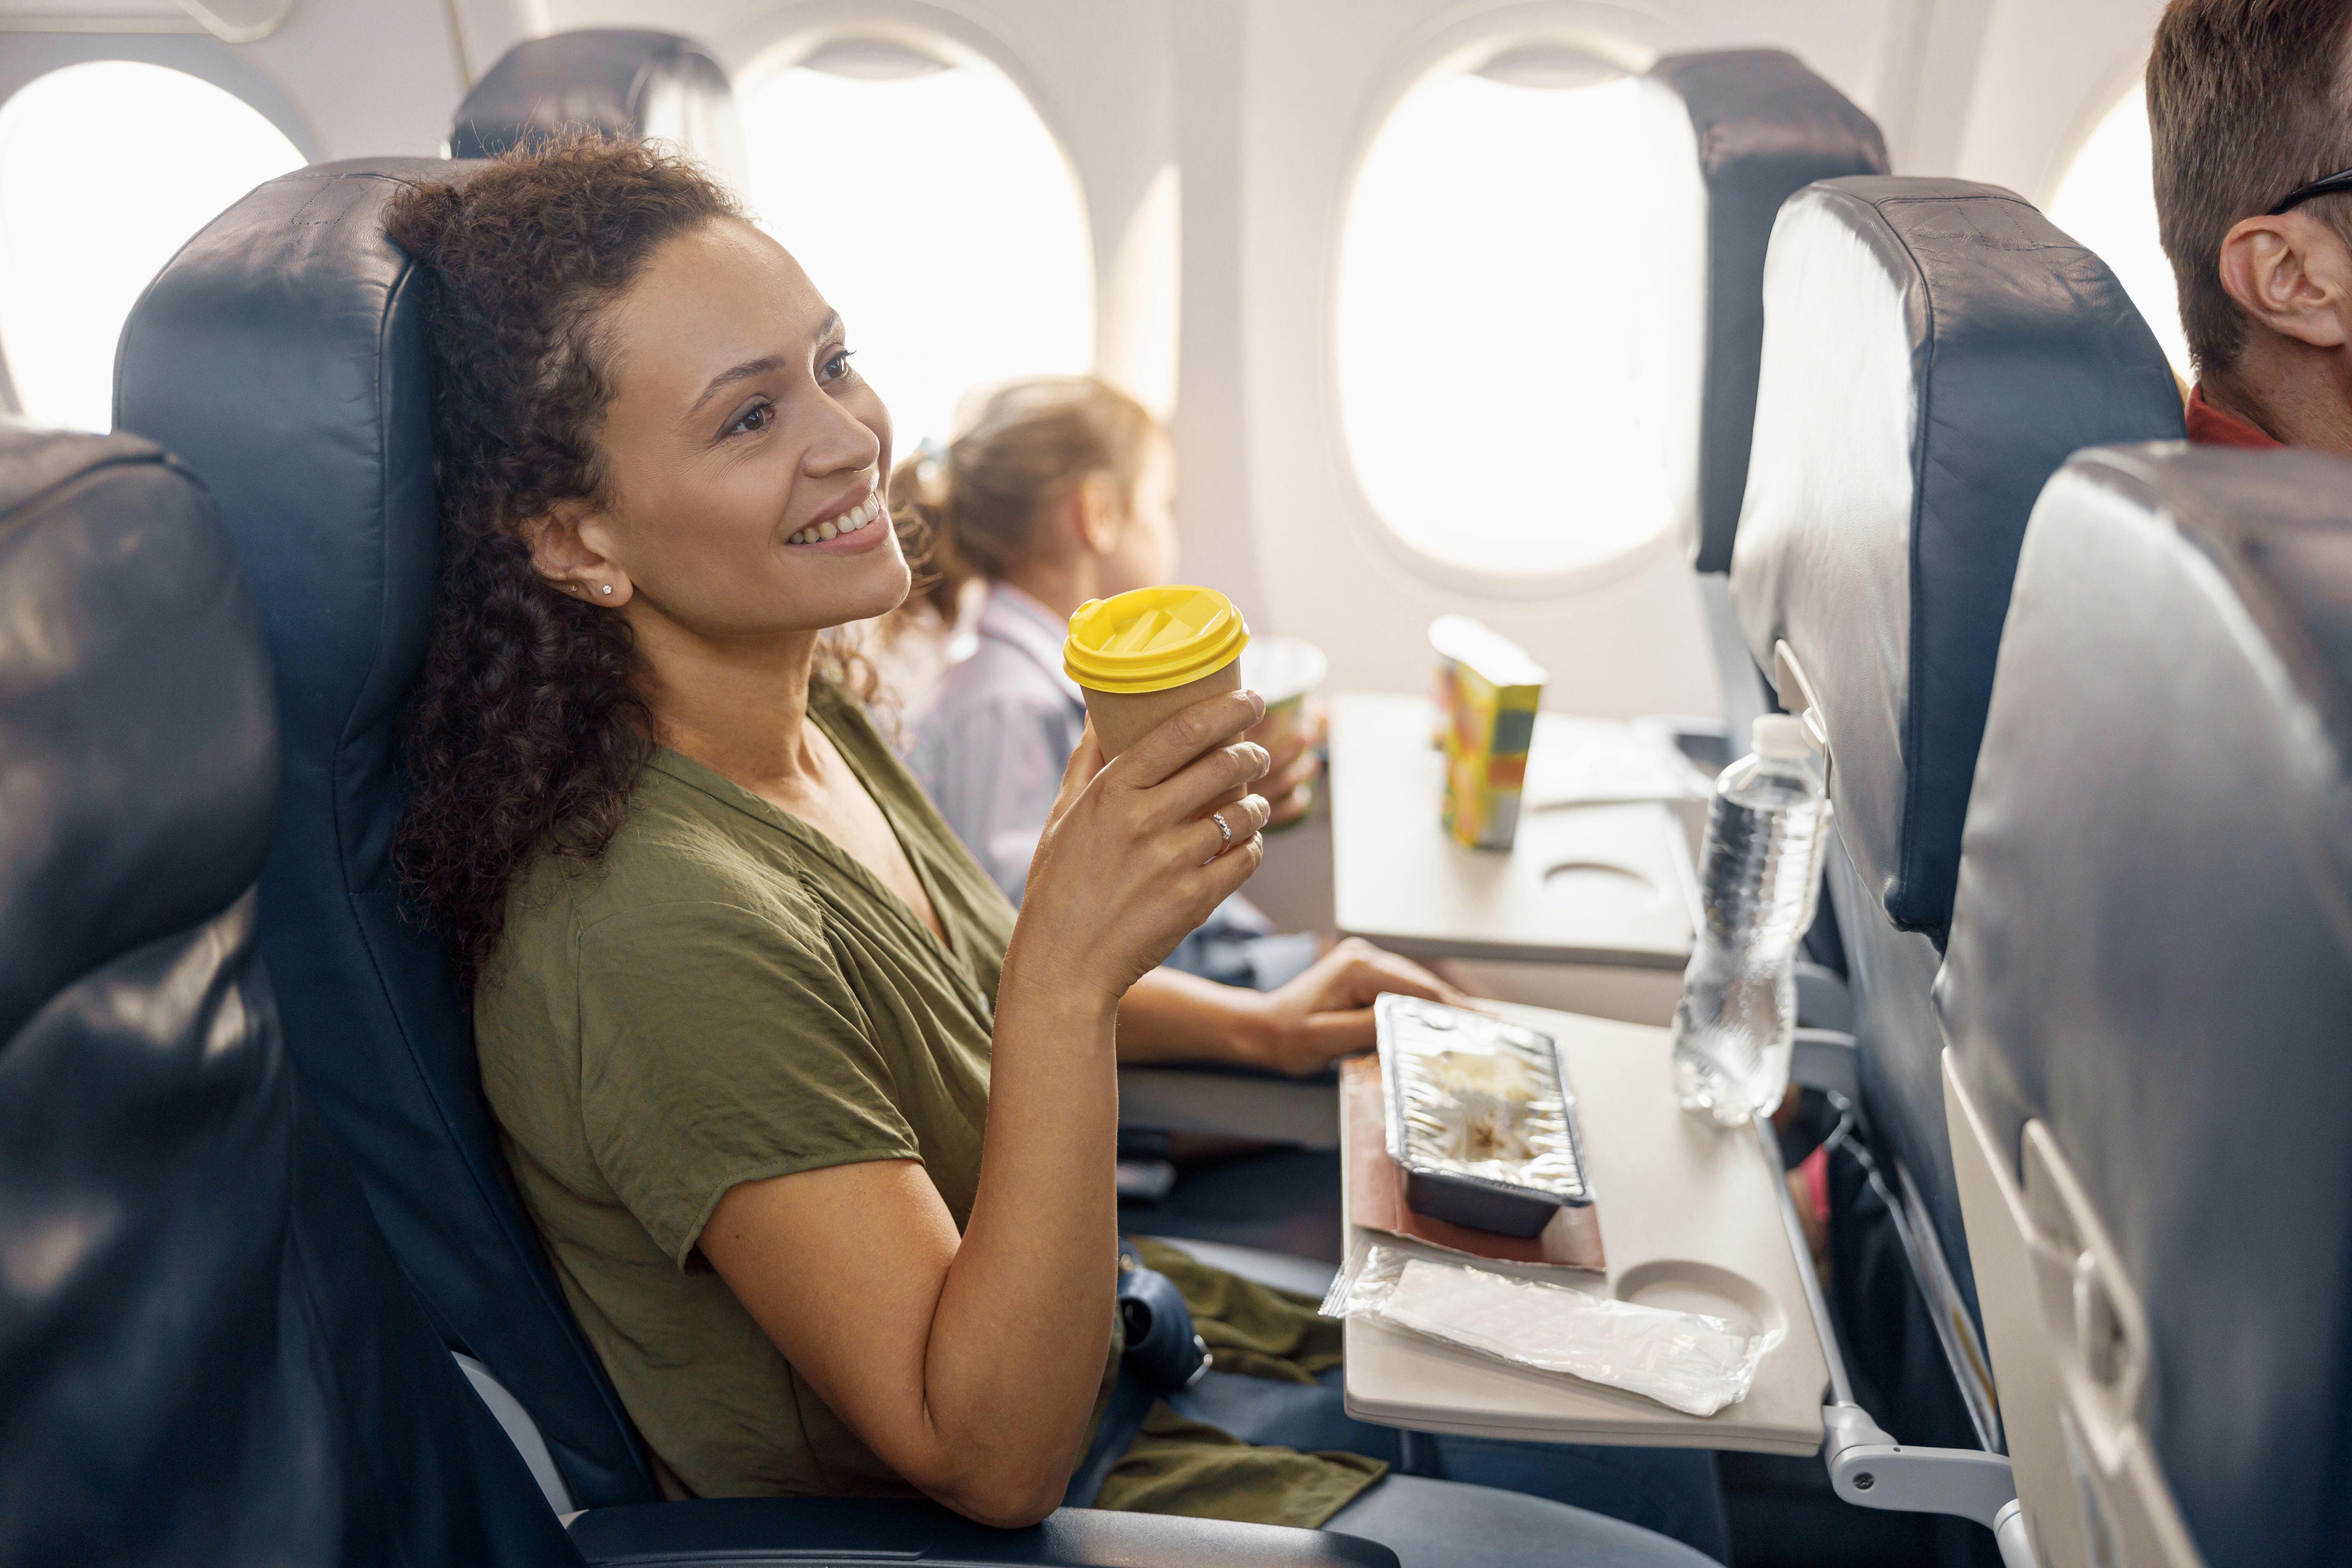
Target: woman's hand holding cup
{"x":1139,"y":849}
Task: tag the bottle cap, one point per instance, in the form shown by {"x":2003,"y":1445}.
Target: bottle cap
{"x":1152,"y":638}
{"x":1780,"y":737}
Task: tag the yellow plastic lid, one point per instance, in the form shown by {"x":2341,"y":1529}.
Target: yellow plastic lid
{"x":1152,"y":638}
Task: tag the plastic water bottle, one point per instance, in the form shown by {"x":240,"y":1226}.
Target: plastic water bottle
{"x":1759,"y":873}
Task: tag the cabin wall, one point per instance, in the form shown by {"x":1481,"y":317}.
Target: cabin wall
{"x":341,"y":80}
{"x":1259,"y":112}
{"x":2049,"y":74}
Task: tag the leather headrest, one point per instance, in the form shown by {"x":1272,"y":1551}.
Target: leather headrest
{"x":1761,"y":126}
{"x":1933,"y":350}
{"x":624,"y":82}
{"x":301,"y":324}
{"x":2151,"y":949}
{"x":138,"y":744}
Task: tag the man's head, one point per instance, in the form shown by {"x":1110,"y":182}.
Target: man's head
{"x":2247,"y":100}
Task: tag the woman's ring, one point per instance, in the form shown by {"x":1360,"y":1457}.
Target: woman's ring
{"x":1219,"y":818}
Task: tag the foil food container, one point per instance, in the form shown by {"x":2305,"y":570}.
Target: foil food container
{"x":1480,"y":1117}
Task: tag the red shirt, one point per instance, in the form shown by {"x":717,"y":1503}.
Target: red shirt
{"x":2208,"y":426}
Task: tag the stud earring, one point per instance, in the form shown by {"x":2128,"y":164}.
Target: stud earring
{"x":608,"y":588}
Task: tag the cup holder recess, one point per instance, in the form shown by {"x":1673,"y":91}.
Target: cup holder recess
{"x":1682,"y":1285}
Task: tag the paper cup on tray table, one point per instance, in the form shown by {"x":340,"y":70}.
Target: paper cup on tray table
{"x":1285,"y":670}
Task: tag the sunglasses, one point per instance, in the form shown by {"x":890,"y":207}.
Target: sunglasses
{"x":2333,"y":184}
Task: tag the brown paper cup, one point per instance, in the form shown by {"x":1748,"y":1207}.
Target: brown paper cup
{"x":1122,"y":718}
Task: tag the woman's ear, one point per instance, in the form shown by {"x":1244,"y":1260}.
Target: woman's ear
{"x":564,"y":551}
{"x":2292,"y":274}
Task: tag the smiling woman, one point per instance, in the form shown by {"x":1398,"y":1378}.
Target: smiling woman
{"x":776,"y":1021}
{"x":757,"y":1031}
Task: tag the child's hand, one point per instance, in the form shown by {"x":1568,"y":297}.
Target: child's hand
{"x":1295,"y":760}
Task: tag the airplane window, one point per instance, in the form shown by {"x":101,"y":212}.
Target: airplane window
{"x":2107,"y":201}
{"x":1496,"y":303}
{"x":933,"y":208}
{"x":106,"y":170}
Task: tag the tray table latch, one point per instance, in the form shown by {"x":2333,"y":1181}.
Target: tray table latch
{"x":1871,"y":1469}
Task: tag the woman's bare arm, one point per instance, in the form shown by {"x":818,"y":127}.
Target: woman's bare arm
{"x":1324,"y":1014}
{"x":971,"y":1364}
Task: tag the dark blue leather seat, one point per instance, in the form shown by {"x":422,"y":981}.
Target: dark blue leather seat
{"x":2146,"y":997}
{"x":279,"y":355}
{"x":627,"y":82}
{"x":1762,"y":127}
{"x":206,"y":1354}
{"x":1933,"y":351}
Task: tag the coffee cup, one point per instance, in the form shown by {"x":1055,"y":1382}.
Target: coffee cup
{"x":1144,"y":656}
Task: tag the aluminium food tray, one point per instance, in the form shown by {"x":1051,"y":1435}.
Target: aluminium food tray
{"x":1480,"y":1117}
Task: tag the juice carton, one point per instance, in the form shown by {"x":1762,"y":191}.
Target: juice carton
{"x":1485,"y":690}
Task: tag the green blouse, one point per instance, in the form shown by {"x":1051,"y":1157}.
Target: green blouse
{"x":725,"y":995}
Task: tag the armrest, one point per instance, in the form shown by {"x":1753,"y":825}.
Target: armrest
{"x":1823,"y":1058}
{"x":1234,"y":1101}
{"x":748,"y":1533}
{"x":1823,"y":1000}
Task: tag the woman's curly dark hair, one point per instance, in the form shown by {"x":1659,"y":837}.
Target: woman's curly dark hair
{"x":528,"y":726}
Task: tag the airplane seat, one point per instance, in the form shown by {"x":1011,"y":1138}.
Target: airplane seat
{"x":1933,"y":350}
{"x":1760,"y":127}
{"x":208,"y":1356}
{"x":1750,"y":128}
{"x":281,"y":355}
{"x":2144,"y":996}
{"x":627,"y":82}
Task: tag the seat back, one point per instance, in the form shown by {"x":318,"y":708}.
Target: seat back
{"x":206,"y":1355}
{"x":1933,"y":351}
{"x":2146,"y":998}
{"x":1758,"y":127}
{"x":281,"y":356}
{"x":627,"y":82}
